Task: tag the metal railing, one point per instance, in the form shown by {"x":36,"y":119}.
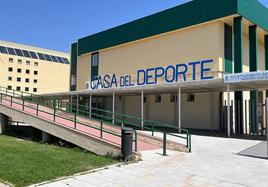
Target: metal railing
{"x":99,"y":115}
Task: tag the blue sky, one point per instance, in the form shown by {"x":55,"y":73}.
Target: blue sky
{"x":55,"y":24}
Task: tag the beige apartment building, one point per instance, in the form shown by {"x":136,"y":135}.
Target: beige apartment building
{"x":32,"y":69}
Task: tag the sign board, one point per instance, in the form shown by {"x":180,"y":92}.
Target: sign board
{"x":198,"y":70}
{"x":245,"y":77}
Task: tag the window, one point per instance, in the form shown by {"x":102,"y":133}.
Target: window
{"x":173,"y":98}
{"x":34,"y":89}
{"x":33,"y":55}
{"x":144,"y":99}
{"x":11,"y":51}
{"x":158,"y":98}
{"x":10,"y":69}
{"x":36,"y":72}
{"x":27,"y":80}
{"x":73,"y":80}
{"x":10,"y":60}
{"x":19,"y":61}
{"x":47,"y":57}
{"x":26,"y":53}
{"x":94,"y":66}
{"x":9,"y":87}
{"x":3,"y":50}
{"x":41,"y":56}
{"x":54,"y":58}
{"x":66,"y":60}
{"x":19,"y":52}
{"x":28,"y":63}
{"x":35,"y":80}
{"x":35,"y":63}
{"x":26,"y":89}
{"x":18,"y":79}
{"x":19,"y":70}
{"x":18,"y":88}
{"x":190,"y":97}
{"x":60,"y":59}
{"x":10,"y":78}
{"x":27,"y":71}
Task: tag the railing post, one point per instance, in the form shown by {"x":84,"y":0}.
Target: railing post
{"x":11,"y":98}
{"x":190,"y":143}
{"x":54,"y":114}
{"x":1,"y":97}
{"x":75,"y":120}
{"x":101,"y":129}
{"x":152,"y":129}
{"x":23,"y":104}
{"x":37,"y":106}
{"x":136,"y":141}
{"x":164,"y":144}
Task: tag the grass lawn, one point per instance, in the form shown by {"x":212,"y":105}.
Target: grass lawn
{"x":25,"y":162}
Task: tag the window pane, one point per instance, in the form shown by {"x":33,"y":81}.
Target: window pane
{"x":11,"y":51}
{"x":60,"y":60}
{"x":41,"y":56}
{"x":26,"y":53}
{"x":66,"y":60}
{"x":19,"y":52}
{"x":3,"y":50}
{"x":33,"y":55}
{"x":95,"y":59}
{"x":48,"y":57}
{"x":54,"y":58}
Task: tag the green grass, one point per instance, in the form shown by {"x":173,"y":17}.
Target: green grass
{"x":25,"y":162}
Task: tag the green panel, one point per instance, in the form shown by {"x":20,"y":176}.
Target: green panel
{"x":253,"y":66}
{"x":73,"y":62}
{"x":266,"y":55}
{"x":185,"y":15}
{"x":238,"y":43}
{"x":239,"y":112}
{"x":228,"y":48}
{"x":255,"y":12}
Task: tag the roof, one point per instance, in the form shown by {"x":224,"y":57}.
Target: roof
{"x":182,"y":16}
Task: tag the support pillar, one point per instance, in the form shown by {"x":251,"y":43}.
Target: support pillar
{"x":46,"y":138}
{"x":90,"y":104}
{"x":142,"y":109}
{"x":228,"y":111}
{"x":3,"y":123}
{"x":113,"y":108}
{"x":238,"y":63}
{"x":179,"y":107}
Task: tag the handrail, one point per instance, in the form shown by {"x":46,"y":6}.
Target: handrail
{"x":95,"y":113}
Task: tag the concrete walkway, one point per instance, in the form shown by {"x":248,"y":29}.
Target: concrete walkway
{"x":214,"y":162}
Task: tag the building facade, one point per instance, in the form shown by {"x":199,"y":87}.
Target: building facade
{"x":32,"y":69}
{"x":143,"y":64}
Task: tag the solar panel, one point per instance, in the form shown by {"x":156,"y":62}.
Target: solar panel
{"x":3,"y":50}
{"x":60,"y":59}
{"x":66,"y":60}
{"x":48,"y":57}
{"x":26,"y":53}
{"x":19,"y":52}
{"x":11,"y":51}
{"x":41,"y":56}
{"x":33,"y":55}
{"x":54,"y":58}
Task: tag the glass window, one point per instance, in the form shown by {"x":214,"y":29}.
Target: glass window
{"x":173,"y":98}
{"x":35,"y":90}
{"x":60,"y":59}
{"x":19,"y":61}
{"x":11,"y":51}
{"x":27,"y":80}
{"x":54,"y":58}
{"x":19,"y":70}
{"x":3,"y":50}
{"x":9,"y":87}
{"x":73,"y":80}
{"x":26,"y":53}
{"x":33,"y":55}
{"x":66,"y":60}
{"x":41,"y":56}
{"x":190,"y":97}
{"x":35,"y":80}
{"x":18,"y":79}
{"x":26,"y":89}
{"x":18,"y":88}
{"x":28,"y":63}
{"x":27,"y":71}
{"x":10,"y":60}
{"x":10,"y":69}
{"x":95,"y":59}
{"x":36,"y":72}
{"x":158,"y":98}
{"x":19,"y":52}
{"x":10,"y":78}
{"x":48,"y":57}
{"x":35,"y":63}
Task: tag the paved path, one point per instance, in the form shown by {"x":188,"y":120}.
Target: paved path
{"x":214,"y":162}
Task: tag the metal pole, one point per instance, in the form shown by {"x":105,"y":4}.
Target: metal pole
{"x":228,"y":111}
{"x":77,"y":104}
{"x":267,"y":123}
{"x":142,"y":108}
{"x":90,"y":104}
{"x":113,"y":106}
{"x":179,"y":107}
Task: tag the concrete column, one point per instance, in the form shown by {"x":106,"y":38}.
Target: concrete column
{"x":179,"y":107}
{"x":46,"y":138}
{"x":113,"y":109}
{"x":228,"y":111}
{"x":3,"y":123}
{"x":142,"y":109}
